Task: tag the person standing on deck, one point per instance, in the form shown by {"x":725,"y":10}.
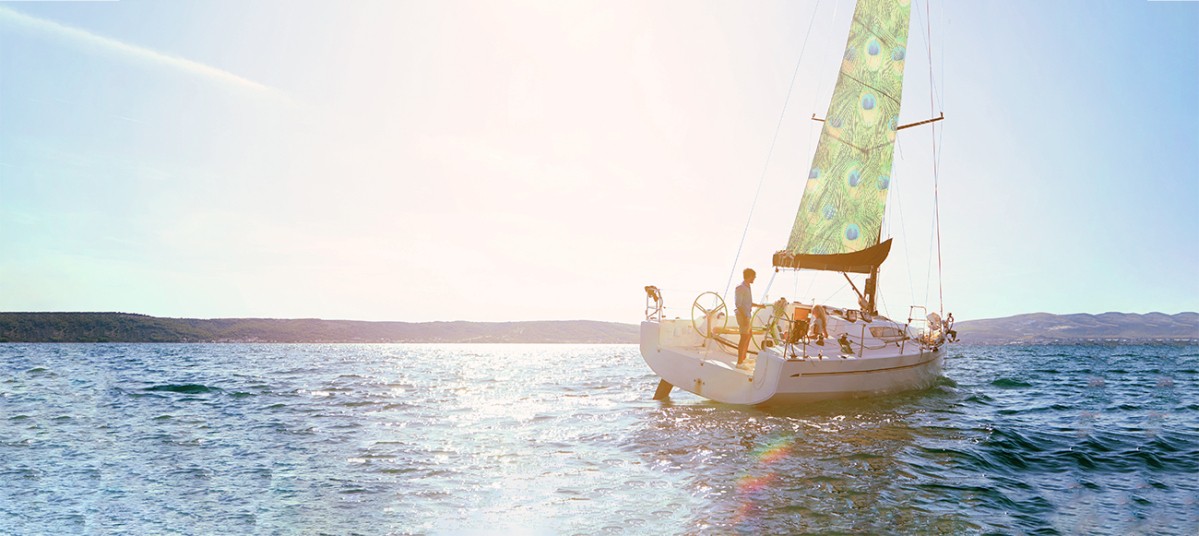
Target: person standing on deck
{"x":745,"y":305}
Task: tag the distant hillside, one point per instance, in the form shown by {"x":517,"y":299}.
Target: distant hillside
{"x":1048,"y":328}
{"x":123,"y":327}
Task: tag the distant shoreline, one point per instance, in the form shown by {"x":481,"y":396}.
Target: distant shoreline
{"x":127,"y":327}
{"x":1035,"y":328}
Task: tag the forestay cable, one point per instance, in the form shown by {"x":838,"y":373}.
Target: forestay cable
{"x":770,"y":152}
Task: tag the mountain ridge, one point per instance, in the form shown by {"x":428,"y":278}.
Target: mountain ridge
{"x":1029,"y":328}
{"x":1033,"y":328}
{"x":131,"y":327}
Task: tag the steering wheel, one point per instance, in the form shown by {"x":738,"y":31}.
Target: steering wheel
{"x":708,"y":310}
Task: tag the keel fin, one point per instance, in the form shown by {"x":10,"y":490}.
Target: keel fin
{"x":663,"y":391}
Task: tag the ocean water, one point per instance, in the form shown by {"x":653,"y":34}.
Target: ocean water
{"x":565,"y":439}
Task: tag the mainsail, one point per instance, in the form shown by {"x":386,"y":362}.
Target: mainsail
{"x":841,"y":211}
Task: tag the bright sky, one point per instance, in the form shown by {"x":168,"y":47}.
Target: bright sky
{"x":494,"y":161}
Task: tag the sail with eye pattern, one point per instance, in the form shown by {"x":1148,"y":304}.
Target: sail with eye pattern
{"x":839,"y":223}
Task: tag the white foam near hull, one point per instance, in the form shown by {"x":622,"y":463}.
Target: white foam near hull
{"x":677,"y":353}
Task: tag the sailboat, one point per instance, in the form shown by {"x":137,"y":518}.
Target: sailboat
{"x":838,"y":228}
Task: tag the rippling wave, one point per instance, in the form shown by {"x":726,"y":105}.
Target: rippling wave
{"x":564,"y":439}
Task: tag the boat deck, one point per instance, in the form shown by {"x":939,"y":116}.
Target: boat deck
{"x":807,"y":372}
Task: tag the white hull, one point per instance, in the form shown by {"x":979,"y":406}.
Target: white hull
{"x":679,"y":356}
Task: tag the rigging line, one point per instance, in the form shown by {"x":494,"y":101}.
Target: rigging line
{"x":865,"y":152}
{"x":820,"y":84}
{"x":928,"y":269}
{"x":928,"y":44}
{"x":836,"y":292}
{"x":941,"y":95}
{"x":876,"y":89}
{"x":770,"y":152}
{"x":902,"y":224}
{"x":766,"y":291}
{"x":795,"y":286}
{"x":936,"y":188}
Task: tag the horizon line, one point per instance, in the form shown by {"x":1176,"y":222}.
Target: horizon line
{"x":508,"y":321}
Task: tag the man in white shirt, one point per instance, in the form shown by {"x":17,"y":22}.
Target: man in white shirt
{"x":744,"y":303}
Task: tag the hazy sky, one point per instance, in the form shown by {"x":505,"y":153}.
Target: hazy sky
{"x":487,"y":160}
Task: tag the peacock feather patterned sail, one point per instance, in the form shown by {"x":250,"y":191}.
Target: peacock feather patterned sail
{"x":841,"y":211}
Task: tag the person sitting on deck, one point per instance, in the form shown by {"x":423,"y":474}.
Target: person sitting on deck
{"x":819,"y":324}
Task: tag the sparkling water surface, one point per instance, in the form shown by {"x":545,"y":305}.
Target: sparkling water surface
{"x":565,"y":439}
